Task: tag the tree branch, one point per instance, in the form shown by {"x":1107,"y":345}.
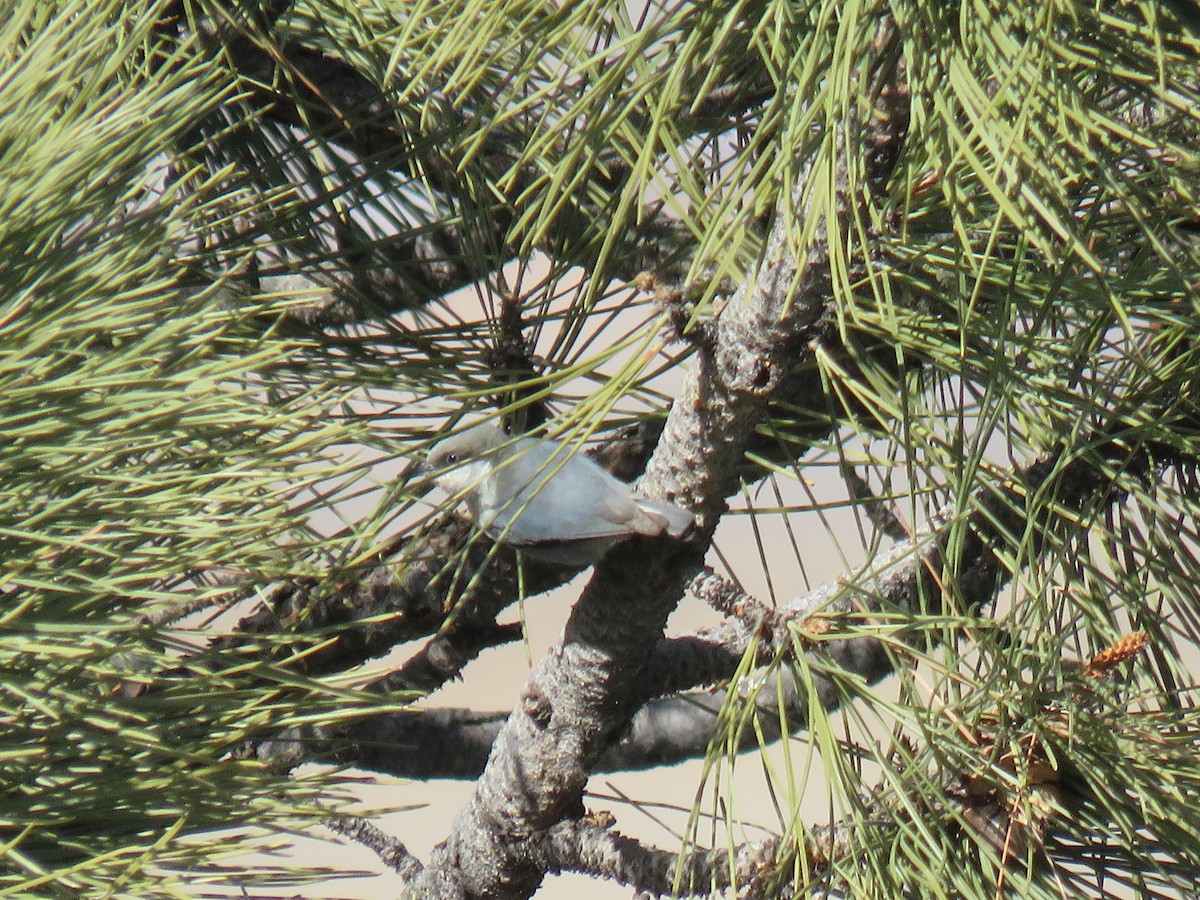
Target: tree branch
{"x":588,"y":845}
{"x":391,"y":852}
{"x":911,"y":577}
{"x":584,"y":691}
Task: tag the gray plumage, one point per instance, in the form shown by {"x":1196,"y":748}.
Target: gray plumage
{"x":537,"y":495}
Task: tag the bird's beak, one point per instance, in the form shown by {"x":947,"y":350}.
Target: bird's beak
{"x":421,"y":470}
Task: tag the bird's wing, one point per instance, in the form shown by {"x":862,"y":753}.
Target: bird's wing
{"x":635,"y":514}
{"x":578,"y":501}
{"x":617,"y":508}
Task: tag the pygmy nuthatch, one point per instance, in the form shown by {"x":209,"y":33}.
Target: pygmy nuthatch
{"x":537,"y":495}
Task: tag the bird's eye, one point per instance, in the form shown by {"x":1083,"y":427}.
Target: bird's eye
{"x":451,"y":458}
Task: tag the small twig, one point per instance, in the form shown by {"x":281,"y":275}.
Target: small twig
{"x":391,"y":852}
{"x":884,"y":516}
{"x":591,"y":846}
{"x":727,"y":598}
{"x":513,"y":363}
{"x":722,"y":594}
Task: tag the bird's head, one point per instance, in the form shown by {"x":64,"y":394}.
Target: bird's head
{"x":461,"y":462}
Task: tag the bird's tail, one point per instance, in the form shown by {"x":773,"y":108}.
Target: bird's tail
{"x":676,"y":522}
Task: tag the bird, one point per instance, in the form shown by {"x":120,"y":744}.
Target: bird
{"x":537,"y":495}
